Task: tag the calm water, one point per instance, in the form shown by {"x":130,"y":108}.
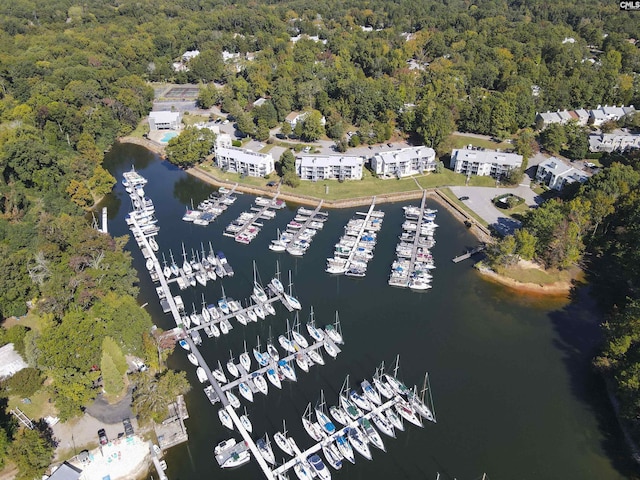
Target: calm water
{"x":514,"y":392}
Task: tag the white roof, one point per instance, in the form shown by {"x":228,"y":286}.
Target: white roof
{"x":243,"y":155}
{"x":581,"y":112}
{"x":189,"y":54}
{"x":10,"y":361}
{"x":565,"y":115}
{"x":616,"y":112}
{"x":598,"y":114}
{"x":487,"y":156}
{"x":165,"y":116}
{"x":550,"y":117}
{"x":330,"y":161}
{"x":406,"y":154}
{"x":556,"y":165}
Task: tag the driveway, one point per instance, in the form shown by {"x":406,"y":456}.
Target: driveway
{"x":480,"y":202}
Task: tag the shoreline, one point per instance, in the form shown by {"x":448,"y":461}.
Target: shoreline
{"x":557,"y":289}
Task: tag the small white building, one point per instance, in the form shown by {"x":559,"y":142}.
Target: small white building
{"x":555,"y":173}
{"x":325,"y":167}
{"x":484,"y":162}
{"x":238,"y":160}
{"x":10,"y":361}
{"x":294,"y":117}
{"x":190,"y":55}
{"x":404,"y":162}
{"x":609,"y":142}
{"x":165,"y":120}
{"x":582,"y":116}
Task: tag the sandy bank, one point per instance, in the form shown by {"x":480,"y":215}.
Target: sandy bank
{"x":558,"y":289}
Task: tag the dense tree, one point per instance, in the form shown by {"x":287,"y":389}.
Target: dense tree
{"x":553,"y":138}
{"x":434,"y":122}
{"x":112,"y":380}
{"x":153,"y":393}
{"x":32,"y":452}
{"x":191,"y":146}
{"x":312,"y":128}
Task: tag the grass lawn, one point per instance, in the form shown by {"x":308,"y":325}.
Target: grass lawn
{"x":39,"y":406}
{"x":460,"y":141}
{"x":535,"y":275}
{"x":193,"y":119}
{"x":454,"y":199}
{"x":267,"y":148}
{"x":141,"y":129}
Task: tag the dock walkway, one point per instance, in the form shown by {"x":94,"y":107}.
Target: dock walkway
{"x":468,"y":254}
{"x":305,"y":225}
{"x":416,"y":240}
{"x":257,"y":213}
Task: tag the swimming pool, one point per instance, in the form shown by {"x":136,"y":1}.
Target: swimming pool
{"x":168,"y":136}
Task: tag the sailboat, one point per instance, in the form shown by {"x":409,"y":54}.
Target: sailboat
{"x":371,"y":393}
{"x":271,"y":349}
{"x":175,"y":270}
{"x":356,"y":438}
{"x":282,"y":441}
{"x":264,"y":446}
{"x":371,"y":433}
{"x":312,"y":428}
{"x":225,"y":418}
{"x":258,"y":291}
{"x":261,"y":358}
{"x":347,"y":405}
{"x":287,"y":370}
{"x":333,"y":455}
{"x":338,"y":415}
{"x":166,"y":270}
{"x":186,"y":266}
{"x":316,"y":333}
{"x":245,"y":422}
{"x":418,"y":403}
{"x":297,"y":336}
{"x":222,"y":303}
{"x":293,"y":302}
{"x":316,"y":356}
{"x":245,"y":391}
{"x":259,"y":312}
{"x":268,"y":309}
{"x":204,"y":313}
{"x":231,"y":367}
{"x":334,"y":331}
{"x":322,"y":418}
{"x":285,"y":342}
{"x":250,"y":312}
{"x":218,"y":374}
{"x":406,"y":411}
{"x":301,"y":360}
{"x":303,"y":470}
{"x":225,"y":326}
{"x":394,"y":419}
{"x":382,"y":387}
{"x":383,"y":424}
{"x":359,"y":400}
{"x":260,"y":383}
{"x":273,"y":377}
{"x":245,"y":359}
{"x":330,"y":348}
{"x":345,"y":448}
{"x":399,"y":387}
{"x":233,"y":400}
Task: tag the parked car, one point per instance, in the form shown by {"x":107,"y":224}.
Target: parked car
{"x":463,"y":198}
{"x":271,"y":184}
{"x":306,"y":149}
{"x":128,"y":428}
{"x":102,"y":436}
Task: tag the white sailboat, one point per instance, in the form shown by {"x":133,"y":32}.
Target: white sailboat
{"x":225,"y":418}
{"x":258,"y":291}
{"x":245,"y":391}
{"x":260,"y":383}
{"x":330,"y":349}
{"x":287,"y":370}
{"x":371,"y":433}
{"x":345,"y":448}
{"x":322,"y":418}
{"x":316,"y":333}
{"x":394,"y":419}
{"x":371,"y":393}
{"x":406,"y":411}
{"x":302,"y":362}
{"x":285,"y":341}
{"x":383,"y":424}
{"x":332,"y":455}
{"x":338,"y":415}
{"x":311,"y":427}
{"x":316,"y":356}
{"x":245,"y":359}
{"x":273,"y":377}
{"x":251,"y":314}
{"x":246,"y":423}
{"x":356,"y":438}
{"x":166,"y":270}
{"x":218,"y":374}
{"x":359,"y":400}
{"x":186,"y":266}
{"x":303,"y":471}
{"x":282,"y":441}
{"x":297,"y":336}
{"x":271,"y":349}
{"x":383,"y":388}
{"x":264,"y":446}
{"x":232,"y":368}
{"x":225,"y":326}
{"x":418,"y":402}
{"x":334,"y":331}
{"x":233,"y":400}
{"x":175,"y":270}
{"x":289,"y":298}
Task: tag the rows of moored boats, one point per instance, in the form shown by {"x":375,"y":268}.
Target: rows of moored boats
{"x":355,"y":248}
{"x":414,"y":263}
{"x":202,"y":268}
{"x":352,"y":425}
{"x":299,"y":232}
{"x":210,"y":208}
{"x":246,"y":227}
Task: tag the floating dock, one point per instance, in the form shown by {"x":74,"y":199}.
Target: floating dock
{"x":468,"y":254}
{"x":209,"y":209}
{"x":246,"y":227}
{"x":300,"y":234}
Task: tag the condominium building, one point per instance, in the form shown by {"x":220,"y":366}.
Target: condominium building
{"x":484,"y":162}
{"x":323,"y":167}
{"x":238,"y":160}
{"x":555,"y":173}
{"x":404,"y":162}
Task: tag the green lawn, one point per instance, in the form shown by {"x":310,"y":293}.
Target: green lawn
{"x":535,"y":275}
{"x":39,"y":406}
{"x":460,"y":141}
{"x":141,"y":129}
{"x":189,"y":120}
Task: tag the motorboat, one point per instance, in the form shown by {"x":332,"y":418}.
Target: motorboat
{"x":260,"y":383}
{"x":225,"y":418}
{"x":333,"y":455}
{"x":192,"y":358}
{"x":287,"y":370}
{"x":195,"y":336}
{"x":359,"y":400}
{"x":345,"y":448}
{"x":264,"y":447}
{"x":371,"y":393}
{"x":202,"y":374}
{"x":184,"y":344}
{"x":356,"y":438}
{"x":245,"y":391}
{"x":338,"y":415}
{"x":233,"y":305}
{"x":233,"y":400}
{"x":149,"y":264}
{"x":371,"y":433}
{"x":383,"y":424}
{"x":318,"y":466}
{"x":224,"y":306}
{"x":236,"y":459}
{"x":273,"y":377}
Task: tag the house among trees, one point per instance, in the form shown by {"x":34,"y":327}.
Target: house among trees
{"x":555,"y":174}
{"x":294,"y":117}
{"x":165,"y":120}
{"x":479,"y":162}
{"x":10,"y":361}
{"x":182,"y":65}
{"x":238,"y":160}
{"x":609,"y":142}
{"x":325,"y":167}
{"x":594,"y":117}
{"x":404,"y":162}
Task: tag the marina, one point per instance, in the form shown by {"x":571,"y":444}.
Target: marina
{"x":355,"y":248}
{"x":414,"y":263}
{"x":209,"y":209}
{"x":300,"y":231}
{"x":246,"y":227}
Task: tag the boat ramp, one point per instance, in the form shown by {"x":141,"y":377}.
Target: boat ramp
{"x":300,"y":231}
{"x":414,"y":261}
{"x":208,"y":210}
{"x":355,"y":248}
{"x":246,"y":227}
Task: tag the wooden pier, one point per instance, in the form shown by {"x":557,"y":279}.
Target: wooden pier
{"x":468,"y":254}
{"x":363,"y":227}
{"x":416,"y":240}
{"x":257,"y":214}
{"x":305,"y":225}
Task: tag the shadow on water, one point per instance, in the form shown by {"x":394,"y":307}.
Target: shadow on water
{"x":579,"y":339}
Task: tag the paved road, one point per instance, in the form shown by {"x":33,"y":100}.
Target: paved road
{"x":480,"y":202}
{"x":111,"y":414}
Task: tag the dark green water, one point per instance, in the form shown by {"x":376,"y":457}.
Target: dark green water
{"x":514,"y":393}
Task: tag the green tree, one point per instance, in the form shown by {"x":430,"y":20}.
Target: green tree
{"x":25,"y":382}
{"x":577,"y":141}
{"x":553,"y":138}
{"x":153,"y":394}
{"x":245,"y":124}
{"x":503,"y":253}
{"x":525,"y":144}
{"x":208,"y":96}
{"x":191,"y":146}
{"x":287,"y":163}
{"x":285,"y":129}
{"x":312,"y":128}
{"x":111,"y":348}
{"x":5,"y":444}
{"x":434,"y":122}
{"x":291,"y":179}
{"x":111,"y":377}
{"x":32,"y":453}
{"x":525,"y":244}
